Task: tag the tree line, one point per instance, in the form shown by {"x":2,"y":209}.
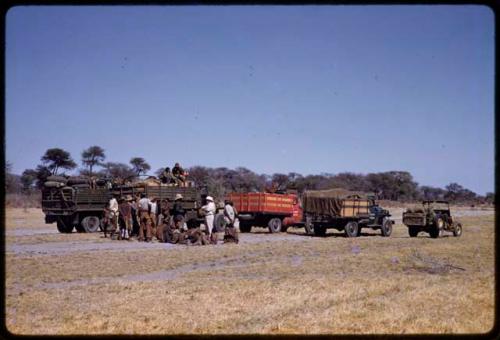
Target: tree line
{"x":389,"y":185}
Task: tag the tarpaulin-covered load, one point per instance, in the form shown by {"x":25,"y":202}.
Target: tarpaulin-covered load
{"x":336,"y":202}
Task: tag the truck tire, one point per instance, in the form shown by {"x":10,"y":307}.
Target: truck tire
{"x":219,"y":223}
{"x":60,"y":179}
{"x":413,"y":231}
{"x":319,"y":230}
{"x":457,"y":231}
{"x":245,"y":227}
{"x":64,"y":225}
{"x":91,"y":224}
{"x":351,"y":229}
{"x":274,"y":225}
{"x":386,"y":228}
{"x":434,"y":231}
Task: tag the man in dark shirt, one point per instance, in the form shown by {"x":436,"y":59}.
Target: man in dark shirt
{"x":179,"y":173}
{"x":178,"y":212}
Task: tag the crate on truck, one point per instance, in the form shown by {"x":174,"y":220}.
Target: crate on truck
{"x":275,"y":211}
{"x":82,"y":207}
{"x":345,"y":210}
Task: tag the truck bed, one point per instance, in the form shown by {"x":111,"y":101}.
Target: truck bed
{"x":265,"y":203}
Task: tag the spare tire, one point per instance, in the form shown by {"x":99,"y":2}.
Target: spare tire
{"x":80,"y":186}
{"x":52,"y":184}
{"x":77,"y":180}
{"x":60,"y":179}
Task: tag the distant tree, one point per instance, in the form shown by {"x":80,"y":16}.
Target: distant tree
{"x":490,"y":198}
{"x":42,"y":172}
{"x":57,"y":158}
{"x":12,"y":182}
{"x":349,"y":181}
{"x":117,"y":170}
{"x":431,"y":193}
{"x":28,"y":179}
{"x":93,"y":156}
{"x":159,"y":172}
{"x":139,"y":165}
{"x":281,"y":180}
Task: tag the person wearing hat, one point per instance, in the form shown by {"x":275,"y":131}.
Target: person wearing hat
{"x":178,"y":212}
{"x":209,"y":210}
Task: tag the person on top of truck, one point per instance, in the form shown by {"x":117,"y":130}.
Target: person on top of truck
{"x":179,"y":173}
{"x":167,"y":177}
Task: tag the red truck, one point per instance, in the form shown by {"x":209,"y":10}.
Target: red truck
{"x":262,"y":209}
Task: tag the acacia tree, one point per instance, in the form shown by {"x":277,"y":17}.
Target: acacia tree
{"x":139,"y":165}
{"x":57,"y":158}
{"x":118,"y":170}
{"x":28,"y":178}
{"x":93,"y":156}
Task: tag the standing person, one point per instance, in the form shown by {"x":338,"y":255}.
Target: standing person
{"x":144,"y":208}
{"x":179,"y":174}
{"x":163,"y":219}
{"x":125,"y":218}
{"x":153,"y":213}
{"x":178,"y":211}
{"x":209,"y":210}
{"x":135,"y":217}
{"x":113,"y":214}
{"x":230,"y":215}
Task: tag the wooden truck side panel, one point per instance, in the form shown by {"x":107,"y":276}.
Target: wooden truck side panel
{"x":259,"y":202}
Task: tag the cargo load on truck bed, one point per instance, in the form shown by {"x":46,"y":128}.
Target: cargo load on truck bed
{"x":336,"y":202}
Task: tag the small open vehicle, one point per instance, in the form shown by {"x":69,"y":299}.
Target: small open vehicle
{"x":433,"y":217}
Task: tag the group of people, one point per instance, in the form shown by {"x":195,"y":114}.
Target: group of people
{"x":175,"y":176}
{"x":147,"y":218}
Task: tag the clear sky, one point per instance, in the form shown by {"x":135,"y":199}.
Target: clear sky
{"x":309,"y":89}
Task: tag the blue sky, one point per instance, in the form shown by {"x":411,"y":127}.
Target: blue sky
{"x":309,"y":89}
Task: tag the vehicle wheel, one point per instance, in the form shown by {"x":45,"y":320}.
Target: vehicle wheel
{"x":413,"y":231}
{"x":434,"y":231}
{"x":386,"y":228}
{"x":64,"y":226}
{"x":319,"y":230}
{"x":308,"y":226}
{"x":457,"y":231}
{"x":91,"y":224}
{"x":219,"y":223}
{"x":245,"y":227}
{"x":79,"y":228}
{"x":351,"y":229}
{"x":274,"y":225}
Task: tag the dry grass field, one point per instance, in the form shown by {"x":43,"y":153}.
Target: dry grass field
{"x":284,"y":283}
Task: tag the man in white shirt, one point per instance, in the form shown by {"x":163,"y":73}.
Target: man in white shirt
{"x":209,"y":210}
{"x":153,"y":215}
{"x":113,"y":214}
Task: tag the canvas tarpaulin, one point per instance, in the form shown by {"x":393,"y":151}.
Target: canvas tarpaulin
{"x":328,"y":202}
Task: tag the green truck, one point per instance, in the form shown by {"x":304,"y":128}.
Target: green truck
{"x":81,"y":206}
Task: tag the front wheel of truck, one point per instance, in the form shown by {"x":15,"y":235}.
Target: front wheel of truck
{"x":386,"y":228}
